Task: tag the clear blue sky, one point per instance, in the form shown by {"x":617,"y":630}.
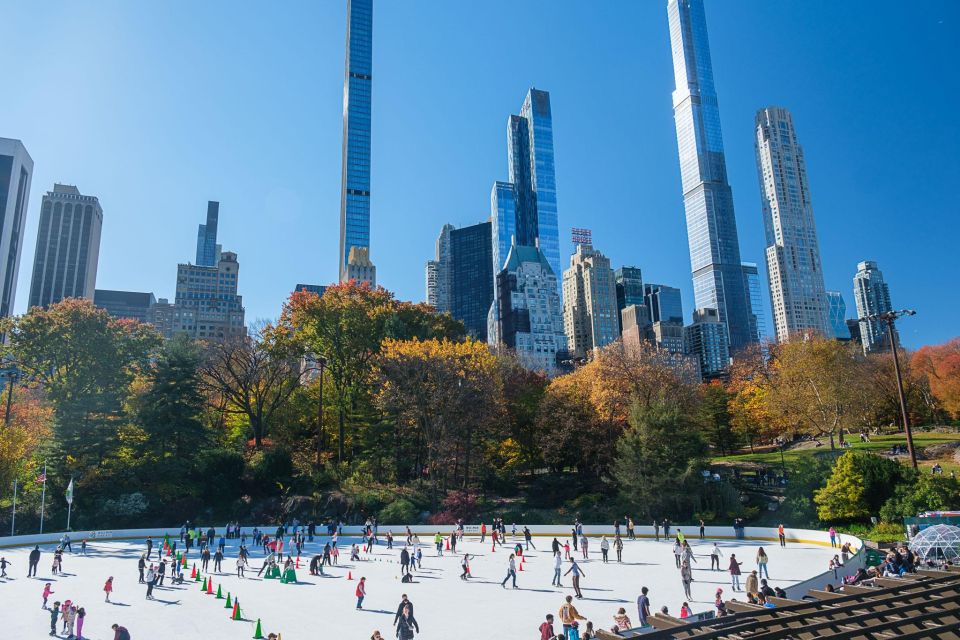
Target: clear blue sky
{"x":157,"y":107}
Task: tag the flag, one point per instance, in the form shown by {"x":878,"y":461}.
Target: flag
{"x":70,"y":492}
{"x":42,"y":478}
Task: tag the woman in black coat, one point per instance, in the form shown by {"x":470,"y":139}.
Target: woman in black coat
{"x":406,"y":625}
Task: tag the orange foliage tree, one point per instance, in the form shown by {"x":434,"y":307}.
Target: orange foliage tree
{"x":940,"y":364}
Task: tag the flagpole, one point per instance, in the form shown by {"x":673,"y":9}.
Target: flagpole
{"x":70,"y":503}
{"x":13,"y":517}
{"x":43,"y":495}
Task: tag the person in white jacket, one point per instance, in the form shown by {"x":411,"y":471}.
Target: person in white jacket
{"x":557,"y":568}
{"x":715,"y":555}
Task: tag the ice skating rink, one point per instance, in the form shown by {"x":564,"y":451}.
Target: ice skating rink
{"x":324,"y":607}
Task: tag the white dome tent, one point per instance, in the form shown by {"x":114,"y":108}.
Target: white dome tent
{"x":937,"y":543}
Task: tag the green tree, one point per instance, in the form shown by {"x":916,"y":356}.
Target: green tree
{"x":858,"y":486}
{"x":715,"y":417}
{"x":658,"y":462}
{"x":919,"y":493}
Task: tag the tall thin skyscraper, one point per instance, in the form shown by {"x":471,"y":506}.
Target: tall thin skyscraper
{"x":16,"y":172}
{"x":872,"y":296}
{"x":207,"y":237}
{"x":471,"y":277}
{"x":68,"y":247}
{"x":438,"y":273}
{"x":838,"y":315}
{"x":757,"y":325}
{"x":357,"y":87}
{"x":718,"y":279}
{"x":797,"y":292}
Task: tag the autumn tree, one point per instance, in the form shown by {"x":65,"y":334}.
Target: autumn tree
{"x":753,"y":417}
{"x":940,"y":365}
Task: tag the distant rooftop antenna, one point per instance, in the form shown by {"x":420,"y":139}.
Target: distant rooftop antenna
{"x":581,"y":236}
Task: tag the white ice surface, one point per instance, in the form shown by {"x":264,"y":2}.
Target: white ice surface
{"x":324,"y":607}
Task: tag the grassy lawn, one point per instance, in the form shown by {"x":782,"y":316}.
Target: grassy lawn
{"x":877,"y":444}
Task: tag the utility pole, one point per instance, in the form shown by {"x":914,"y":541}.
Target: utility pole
{"x":889,"y":317}
{"x":322,"y":363}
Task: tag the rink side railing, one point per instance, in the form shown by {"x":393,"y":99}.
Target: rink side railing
{"x":692,"y":533}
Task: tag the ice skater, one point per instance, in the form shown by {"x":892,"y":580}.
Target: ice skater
{"x":577,"y":572}
{"x":54,"y":614}
{"x":33,"y":561}
{"x":108,"y":589}
{"x":465,"y":564}
{"x":47,"y":590}
{"x":557,"y":568}
{"x":361,"y":592}
{"x":686,"y":575}
{"x":715,"y":555}
{"x":511,"y":571}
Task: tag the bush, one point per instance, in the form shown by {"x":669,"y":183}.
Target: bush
{"x":125,"y":509}
{"x":399,"y":511}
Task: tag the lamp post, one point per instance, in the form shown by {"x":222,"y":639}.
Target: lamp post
{"x":889,"y":317}
{"x":11,"y":374}
{"x":322,"y":364}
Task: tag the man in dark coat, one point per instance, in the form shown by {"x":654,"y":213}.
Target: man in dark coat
{"x":404,"y":602}
{"x":34,"y":561}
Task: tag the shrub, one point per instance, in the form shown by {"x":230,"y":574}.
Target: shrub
{"x":399,"y":511}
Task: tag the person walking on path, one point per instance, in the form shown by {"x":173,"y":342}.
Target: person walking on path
{"x":715,"y":555}
{"x":568,"y":615}
{"x":618,"y":546}
{"x":406,"y":625}
{"x":686,"y":575}
{"x":404,"y":603}
{"x":108,"y":589}
{"x":604,"y":548}
{"x":511,"y":571}
{"x":735,"y":572}
{"x":577,"y":572}
{"x":643,"y":606}
{"x":781,"y":535}
{"x":833,"y":537}
{"x":557,"y":568}
{"x":762,"y":559}
{"x":361,"y":592}
{"x":54,"y":614}
{"x":33,"y":561}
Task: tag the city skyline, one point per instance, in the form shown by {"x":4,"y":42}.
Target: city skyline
{"x":273,"y":194}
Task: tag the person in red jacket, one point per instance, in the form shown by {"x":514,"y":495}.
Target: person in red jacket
{"x":361,"y":592}
{"x":546,"y":629}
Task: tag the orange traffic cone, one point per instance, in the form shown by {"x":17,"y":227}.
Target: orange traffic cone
{"x":349,"y":575}
{"x":521,"y":566}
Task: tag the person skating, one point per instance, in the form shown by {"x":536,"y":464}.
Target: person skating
{"x":438,"y":543}
{"x":404,"y":602}
{"x":686,"y":555}
{"x":33,"y":561}
{"x":511,"y":571}
{"x":161,"y":572}
{"x":735,"y":572}
{"x":47,"y":590}
{"x":605,"y":548}
{"x":151,"y":581}
{"x":205,"y":558}
{"x":528,"y":537}
{"x":241,"y":565}
{"x":120,"y":633}
{"x":217,"y":559}
{"x":752,"y":585}
{"x":702,"y":529}
{"x":656,"y":531}
{"x":54,"y":614}
{"x":677,"y":551}
{"x":577,"y":572}
{"x":406,"y":625}
{"x":483,"y":533}
{"x":715,"y":555}
{"x":3,"y":567}
{"x":781,"y":534}
{"x":568,"y":615}
{"x":141,"y":565}
{"x":762,"y":559}
{"x":361,"y":592}
{"x":81,"y":616}
{"x":70,"y":620}
{"x":686,"y":576}
{"x":557,"y":568}
{"x":465,"y":564}
{"x":618,"y":547}
{"x":108,"y":589}
{"x":149,"y":546}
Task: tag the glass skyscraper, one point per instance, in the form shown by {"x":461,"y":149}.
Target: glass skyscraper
{"x":471,"y":277}
{"x":503,"y":221}
{"x":664,"y":303}
{"x":16,"y":173}
{"x":207,"y":237}
{"x":872,"y":296}
{"x":797,"y":292}
{"x":357,"y":85}
{"x":838,"y":315}
{"x":757,"y":324}
{"x":718,"y":278}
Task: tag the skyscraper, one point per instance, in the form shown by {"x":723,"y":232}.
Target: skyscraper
{"x":838,"y":314}
{"x":872,"y":296}
{"x":438,"y":273}
{"x":629,"y":282}
{"x":666,"y":315}
{"x":135,"y":305}
{"x":355,"y":179}
{"x":757,"y":324}
{"x":797,"y":292}
{"x":590,"y":313}
{"x":207,"y":248}
{"x":68,"y":246}
{"x":16,"y":172}
{"x":706,"y":340}
{"x":525,"y":208}
{"x":207,"y":304}
{"x":471,"y":277}
{"x":718,"y":279}
{"x":528,"y":311}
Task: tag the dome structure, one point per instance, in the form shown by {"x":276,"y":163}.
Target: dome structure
{"x":940,"y":542}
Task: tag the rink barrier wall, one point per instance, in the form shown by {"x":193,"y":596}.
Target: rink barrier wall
{"x":692,"y":532}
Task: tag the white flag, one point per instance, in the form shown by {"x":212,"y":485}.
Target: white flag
{"x":70,"y":492}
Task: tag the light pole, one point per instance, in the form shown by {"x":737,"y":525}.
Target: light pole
{"x":12,"y":374}
{"x":889,"y":317}
{"x":322,"y":364}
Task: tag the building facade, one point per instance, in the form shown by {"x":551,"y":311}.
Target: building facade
{"x":718,"y":279}
{"x":355,"y":177}
{"x":666,"y":316}
{"x":629,"y":283}
{"x":207,"y":303}
{"x":706,"y":340}
{"x":207,"y":247}
{"x":872,"y":296}
{"x":318,"y":289}
{"x":794,"y":271}
{"x":438,"y":273}
{"x":529,"y":316}
{"x":471,"y":277}
{"x":590,"y":312}
{"x":757,"y":322}
{"x":838,"y":315}
{"x":68,"y":247}
{"x":134,"y":305}
{"x":360,"y":268}
{"x":16,"y":174}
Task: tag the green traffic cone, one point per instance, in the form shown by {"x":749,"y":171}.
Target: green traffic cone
{"x":203,"y":587}
{"x":229,"y":604}
{"x":236,"y":609}
{"x":258,"y":634}
{"x":219,"y":593}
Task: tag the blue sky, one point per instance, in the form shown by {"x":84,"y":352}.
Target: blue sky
{"x":156,"y":108}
